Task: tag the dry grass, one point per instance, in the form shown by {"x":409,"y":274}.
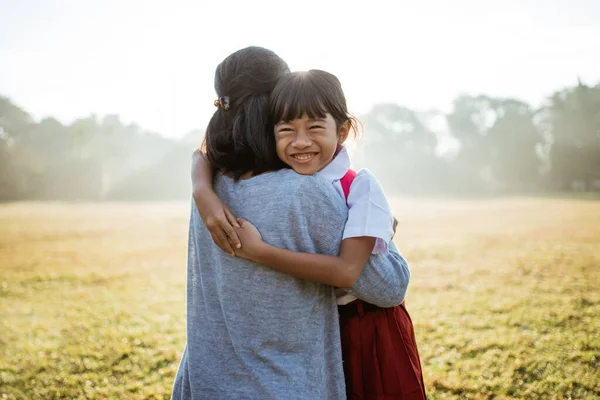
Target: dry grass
{"x":504,"y":297}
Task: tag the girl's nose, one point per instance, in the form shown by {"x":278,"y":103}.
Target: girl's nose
{"x":302,"y":141}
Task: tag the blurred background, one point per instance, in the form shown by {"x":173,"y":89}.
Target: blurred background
{"x":105,"y":100}
{"x":481,"y":119}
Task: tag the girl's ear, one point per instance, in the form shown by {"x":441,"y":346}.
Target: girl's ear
{"x":344,"y":132}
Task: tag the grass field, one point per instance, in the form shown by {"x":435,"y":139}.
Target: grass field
{"x":505,"y":296}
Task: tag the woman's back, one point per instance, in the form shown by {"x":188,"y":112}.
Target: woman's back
{"x":254,"y":332}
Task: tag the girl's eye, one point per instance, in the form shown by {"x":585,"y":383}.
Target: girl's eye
{"x":284,"y":130}
{"x":316,"y":127}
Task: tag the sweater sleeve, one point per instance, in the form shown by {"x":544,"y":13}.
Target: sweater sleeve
{"x":384,"y":280}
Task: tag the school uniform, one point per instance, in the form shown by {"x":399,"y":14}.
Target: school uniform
{"x":379,"y":350}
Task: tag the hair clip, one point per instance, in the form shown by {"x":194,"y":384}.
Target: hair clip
{"x":222,"y":102}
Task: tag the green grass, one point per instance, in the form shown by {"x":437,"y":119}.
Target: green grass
{"x":504,"y":297}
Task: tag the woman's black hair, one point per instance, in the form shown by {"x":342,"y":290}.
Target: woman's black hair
{"x":239,"y":137}
{"x":314,"y":93}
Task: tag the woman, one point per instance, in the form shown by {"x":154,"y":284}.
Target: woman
{"x":253,"y":332}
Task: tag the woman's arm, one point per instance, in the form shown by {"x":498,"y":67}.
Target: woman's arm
{"x":341,"y":271}
{"x":380,"y":279}
{"x":216,"y":216}
{"x":384,"y":279}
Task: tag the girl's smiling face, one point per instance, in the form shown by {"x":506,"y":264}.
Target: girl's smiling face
{"x":307,"y":144}
{"x":308,"y":109}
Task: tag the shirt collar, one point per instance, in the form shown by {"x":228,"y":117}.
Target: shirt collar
{"x":338,"y":167}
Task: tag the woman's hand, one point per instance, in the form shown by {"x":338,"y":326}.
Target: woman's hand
{"x":251,"y":240}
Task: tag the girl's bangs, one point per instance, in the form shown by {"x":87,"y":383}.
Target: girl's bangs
{"x":296,"y":98}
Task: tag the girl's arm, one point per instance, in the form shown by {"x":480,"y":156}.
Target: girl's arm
{"x":341,"y":271}
{"x":216,"y":216}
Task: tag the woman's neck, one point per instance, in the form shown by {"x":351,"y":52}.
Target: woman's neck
{"x":245,"y":175}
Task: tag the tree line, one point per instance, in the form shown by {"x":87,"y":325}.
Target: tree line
{"x":483,"y":145}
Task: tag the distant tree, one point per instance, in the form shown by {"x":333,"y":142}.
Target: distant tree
{"x":498,"y":142}
{"x":13,"y":120}
{"x":513,"y":141}
{"x":469,"y":122}
{"x":18,"y":175}
{"x":573,"y":121}
{"x":85,"y":160}
{"x":399,"y":148}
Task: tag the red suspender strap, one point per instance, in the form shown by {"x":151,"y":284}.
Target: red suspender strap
{"x":346,"y":182}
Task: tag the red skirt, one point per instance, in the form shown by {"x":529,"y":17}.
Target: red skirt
{"x":381,"y":360}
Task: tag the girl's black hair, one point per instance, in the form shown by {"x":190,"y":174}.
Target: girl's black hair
{"x":314,"y":93}
{"x":239,"y":138}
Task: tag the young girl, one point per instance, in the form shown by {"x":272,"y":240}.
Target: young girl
{"x":378,"y":344}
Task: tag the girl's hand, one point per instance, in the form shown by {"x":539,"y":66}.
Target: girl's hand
{"x":251,"y":240}
{"x":217,"y":218}
{"x":219,"y":221}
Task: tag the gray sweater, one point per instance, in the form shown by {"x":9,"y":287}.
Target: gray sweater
{"x":255,"y":333}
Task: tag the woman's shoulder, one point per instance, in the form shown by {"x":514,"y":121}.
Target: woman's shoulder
{"x":284,"y":180}
{"x":307,"y":187}
{"x":302,"y":188}
{"x":308,"y":195}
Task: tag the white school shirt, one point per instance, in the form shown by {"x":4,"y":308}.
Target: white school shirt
{"x":369,"y":213}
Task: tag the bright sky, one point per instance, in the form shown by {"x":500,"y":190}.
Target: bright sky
{"x":153,"y":62}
